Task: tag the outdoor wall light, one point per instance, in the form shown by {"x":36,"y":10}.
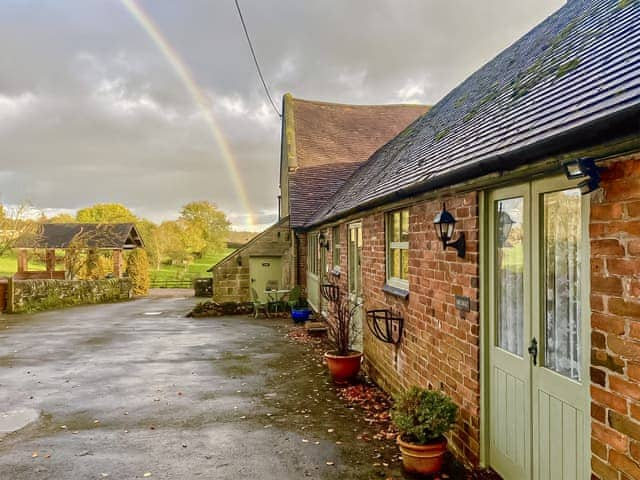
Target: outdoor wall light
{"x":505,"y":222}
{"x":583,"y":167}
{"x":322,"y":241}
{"x":445,"y":228}
{"x":239,"y":260}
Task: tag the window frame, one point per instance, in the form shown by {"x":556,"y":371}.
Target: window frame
{"x":336,"y":249}
{"x":313,"y":255}
{"x":397,"y":282}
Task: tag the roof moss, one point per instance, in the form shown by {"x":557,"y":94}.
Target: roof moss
{"x":566,"y":67}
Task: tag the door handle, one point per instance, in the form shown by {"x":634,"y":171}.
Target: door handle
{"x":533,"y":350}
{"x":253,"y":280}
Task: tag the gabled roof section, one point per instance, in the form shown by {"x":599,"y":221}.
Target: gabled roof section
{"x":565,"y":82}
{"x":256,"y":238}
{"x":313,"y":187}
{"x":114,"y":236}
{"x":326,"y":142}
{"x":325,"y":133}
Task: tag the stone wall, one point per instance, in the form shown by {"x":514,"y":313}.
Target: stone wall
{"x":440,"y":347}
{"x":231,"y":278}
{"x":615,"y":322}
{"x":37,"y":295}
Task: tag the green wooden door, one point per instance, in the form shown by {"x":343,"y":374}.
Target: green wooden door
{"x":560,"y":299}
{"x":354,"y":259}
{"x":510,"y":314}
{"x":538,"y":273}
{"x":265,"y":272}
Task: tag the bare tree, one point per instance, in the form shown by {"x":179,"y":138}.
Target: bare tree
{"x":17,"y":224}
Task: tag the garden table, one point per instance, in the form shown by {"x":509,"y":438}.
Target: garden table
{"x":276,"y":296}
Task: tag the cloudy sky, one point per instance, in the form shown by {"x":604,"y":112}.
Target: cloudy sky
{"x":91,"y":110}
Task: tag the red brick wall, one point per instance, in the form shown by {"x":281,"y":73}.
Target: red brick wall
{"x":440,"y":345}
{"x":615,"y":322}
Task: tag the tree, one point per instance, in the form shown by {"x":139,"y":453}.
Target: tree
{"x":138,"y":271}
{"x":106,"y":213}
{"x":212,"y":222}
{"x":83,"y":258}
{"x":180,"y":241}
{"x":152,"y":243}
{"x":61,"y":218}
{"x":16,"y":225}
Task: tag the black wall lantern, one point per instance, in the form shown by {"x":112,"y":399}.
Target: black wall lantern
{"x":445,"y":228}
{"x":505,"y":222}
{"x":322,"y":241}
{"x":239,"y":260}
{"x":584,"y":167}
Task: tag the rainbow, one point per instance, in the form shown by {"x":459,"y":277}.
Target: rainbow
{"x":187,"y":79}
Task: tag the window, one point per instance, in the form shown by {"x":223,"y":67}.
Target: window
{"x":398,"y":248}
{"x":354,"y":259}
{"x":335,"y":244}
{"x":313,"y":259}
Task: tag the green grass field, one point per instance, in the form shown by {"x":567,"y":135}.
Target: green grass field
{"x":9,"y":265}
{"x":194,"y":270}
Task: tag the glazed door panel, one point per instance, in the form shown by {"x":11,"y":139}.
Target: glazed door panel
{"x":510,"y":372}
{"x":313,"y":271}
{"x":354,"y":258}
{"x":560,"y":299}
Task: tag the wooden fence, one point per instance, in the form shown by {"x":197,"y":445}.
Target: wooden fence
{"x":171,"y":283}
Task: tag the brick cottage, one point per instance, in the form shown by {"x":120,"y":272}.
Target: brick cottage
{"x":533,"y":328}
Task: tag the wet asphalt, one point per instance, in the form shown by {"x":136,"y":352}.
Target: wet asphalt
{"x":137,"y":390}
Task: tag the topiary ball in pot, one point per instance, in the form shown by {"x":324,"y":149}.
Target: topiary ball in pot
{"x":423,"y":417}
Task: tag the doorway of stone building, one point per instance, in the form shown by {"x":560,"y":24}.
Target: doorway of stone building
{"x":265,"y":272}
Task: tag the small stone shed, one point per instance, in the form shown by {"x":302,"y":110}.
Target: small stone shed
{"x":266,"y":257}
{"x":115,"y":237}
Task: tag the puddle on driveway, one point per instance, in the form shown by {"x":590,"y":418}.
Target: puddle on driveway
{"x":14,"y":420}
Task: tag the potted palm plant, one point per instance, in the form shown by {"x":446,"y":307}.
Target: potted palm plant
{"x":342,"y":360}
{"x":423,"y":417}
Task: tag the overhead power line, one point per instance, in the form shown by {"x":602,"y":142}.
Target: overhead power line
{"x":255,"y":60}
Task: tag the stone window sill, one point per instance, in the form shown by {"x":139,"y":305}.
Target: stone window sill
{"x":396,"y":291}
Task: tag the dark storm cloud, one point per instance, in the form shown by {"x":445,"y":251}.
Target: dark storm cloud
{"x":90,"y":110}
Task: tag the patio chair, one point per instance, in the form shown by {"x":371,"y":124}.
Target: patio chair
{"x":258,"y":306}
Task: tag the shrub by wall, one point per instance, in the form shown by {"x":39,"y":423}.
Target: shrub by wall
{"x":37,"y":295}
{"x":138,"y":271}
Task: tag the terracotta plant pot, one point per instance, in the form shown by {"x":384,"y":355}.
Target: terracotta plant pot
{"x":422,"y":459}
{"x":343,"y":368}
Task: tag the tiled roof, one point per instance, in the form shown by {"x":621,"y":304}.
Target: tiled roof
{"x":329,"y":140}
{"x":312,"y":187}
{"x":337,"y":133}
{"x":63,"y":235}
{"x":578,"y":69}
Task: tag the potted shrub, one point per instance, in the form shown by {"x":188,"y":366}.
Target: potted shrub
{"x":342,"y":360}
{"x":423,"y":417}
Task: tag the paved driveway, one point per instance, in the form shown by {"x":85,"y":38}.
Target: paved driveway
{"x":136,"y":390}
